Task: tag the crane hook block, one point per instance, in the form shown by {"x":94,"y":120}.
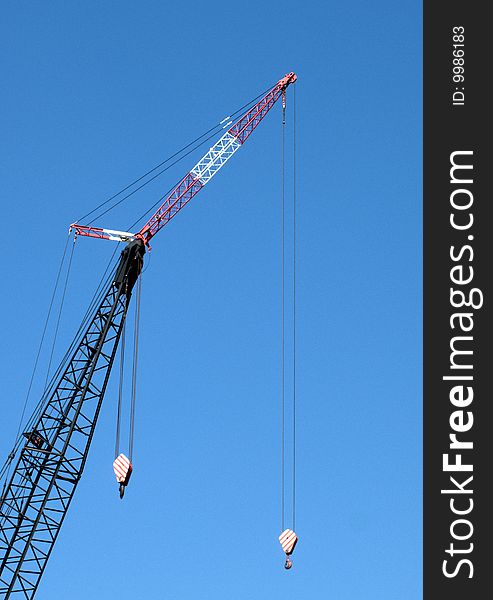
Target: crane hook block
{"x":288,"y":541}
{"x":123,"y":469}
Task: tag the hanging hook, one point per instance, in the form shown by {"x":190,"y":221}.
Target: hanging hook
{"x":284,"y":107}
{"x":288,"y":540}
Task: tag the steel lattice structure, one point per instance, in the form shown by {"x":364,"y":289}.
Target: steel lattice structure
{"x":51,"y":462}
{"x":202,"y":172}
{"x":49,"y":466}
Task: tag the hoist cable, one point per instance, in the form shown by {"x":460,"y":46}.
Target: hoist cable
{"x":164,"y":196}
{"x":120,"y":390}
{"x":294,"y":306}
{"x":148,"y":263}
{"x":213,"y":131}
{"x":95,"y":301}
{"x":6,"y":468}
{"x":97,"y":298}
{"x":127,"y":187}
{"x":47,"y":392}
{"x":101,"y":289}
{"x":134,"y":369}
{"x":149,"y":181}
{"x":59,"y":314}
{"x":283,"y":125}
{"x":283,"y":321}
{"x":43,"y":334}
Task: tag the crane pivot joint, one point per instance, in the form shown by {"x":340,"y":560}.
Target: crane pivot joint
{"x":287,"y":79}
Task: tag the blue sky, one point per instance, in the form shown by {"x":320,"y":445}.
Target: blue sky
{"x":95,"y":93}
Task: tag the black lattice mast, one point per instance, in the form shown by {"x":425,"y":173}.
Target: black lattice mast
{"x":51,"y":462}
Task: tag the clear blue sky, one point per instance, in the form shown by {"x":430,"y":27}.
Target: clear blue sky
{"x":93,"y":94}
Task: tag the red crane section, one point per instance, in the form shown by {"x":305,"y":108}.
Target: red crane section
{"x":201,"y":173}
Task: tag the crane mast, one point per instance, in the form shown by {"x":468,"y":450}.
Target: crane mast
{"x":51,"y":462}
{"x":49,"y":465}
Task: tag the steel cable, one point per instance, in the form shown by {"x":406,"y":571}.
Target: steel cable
{"x":59,"y":314}
{"x":120,"y":390}
{"x":6,"y":468}
{"x":134,"y":369}
{"x":213,"y":130}
{"x":294,"y":306}
{"x":97,"y":297}
{"x":283,"y":126}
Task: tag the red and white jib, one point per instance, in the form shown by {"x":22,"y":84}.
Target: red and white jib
{"x":217,"y":156}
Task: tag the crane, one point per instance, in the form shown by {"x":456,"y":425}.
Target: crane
{"x":48,"y":465}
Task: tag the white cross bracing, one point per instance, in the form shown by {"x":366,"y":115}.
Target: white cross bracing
{"x":220,"y":153}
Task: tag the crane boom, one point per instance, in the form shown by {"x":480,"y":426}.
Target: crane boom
{"x":49,"y":465}
{"x":201,"y":173}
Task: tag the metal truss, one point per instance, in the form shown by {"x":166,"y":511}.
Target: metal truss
{"x":217,"y":156}
{"x":51,"y":462}
{"x":202,"y":172}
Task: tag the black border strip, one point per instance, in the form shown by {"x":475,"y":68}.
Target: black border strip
{"x":456,"y":124}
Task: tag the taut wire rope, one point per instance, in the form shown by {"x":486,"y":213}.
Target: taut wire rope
{"x":5,"y":471}
{"x":196,"y":143}
{"x":59,"y":314}
{"x":120,"y":391}
{"x":134,"y":369}
{"x":294,"y":306}
{"x":283,"y":126}
{"x":283,"y":320}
